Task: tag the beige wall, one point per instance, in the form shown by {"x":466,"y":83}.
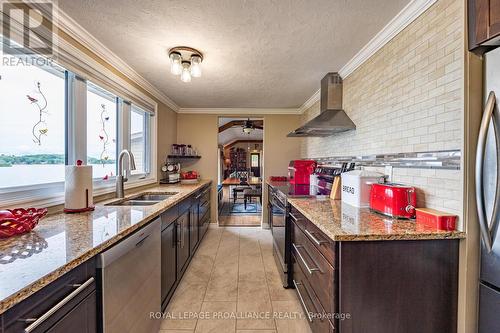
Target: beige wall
{"x":278,"y":149}
{"x":167,"y":134}
{"x":201,"y":131}
{"x":408,"y":97}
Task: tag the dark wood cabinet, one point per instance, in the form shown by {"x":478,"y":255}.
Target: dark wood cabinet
{"x":66,"y":305}
{"x":182,"y":232}
{"x":81,"y":318}
{"x":374,"y":286}
{"x":183,"y":251}
{"x":483,"y":25}
{"x":168,"y":255}
{"x":204,"y":211}
{"x":194,"y":226}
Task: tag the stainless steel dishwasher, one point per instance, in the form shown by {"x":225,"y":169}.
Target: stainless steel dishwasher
{"x":130,"y":278}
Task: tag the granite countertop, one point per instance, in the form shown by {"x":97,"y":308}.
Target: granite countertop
{"x":343,"y":222}
{"x":61,"y":242}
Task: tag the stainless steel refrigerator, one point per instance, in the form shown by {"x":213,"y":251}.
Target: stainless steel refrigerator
{"x":488,"y":198}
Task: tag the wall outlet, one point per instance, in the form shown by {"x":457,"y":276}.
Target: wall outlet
{"x":388,"y":172}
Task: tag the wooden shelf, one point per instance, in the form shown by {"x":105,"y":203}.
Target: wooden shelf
{"x":184,"y":157}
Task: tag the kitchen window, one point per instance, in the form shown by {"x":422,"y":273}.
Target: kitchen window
{"x":102,"y":125}
{"x":32,"y":113}
{"x":52,"y":117}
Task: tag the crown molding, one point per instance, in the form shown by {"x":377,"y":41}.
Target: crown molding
{"x":82,"y":36}
{"x":311,"y":101}
{"x":406,"y":16}
{"x":240,"y":111}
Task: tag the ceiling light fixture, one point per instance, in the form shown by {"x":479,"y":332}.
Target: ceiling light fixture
{"x":186,"y":62}
{"x":186,"y":74}
{"x":248,"y":126}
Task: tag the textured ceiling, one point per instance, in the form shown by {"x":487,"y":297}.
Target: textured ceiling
{"x":258,"y":53}
{"x":236,"y":133}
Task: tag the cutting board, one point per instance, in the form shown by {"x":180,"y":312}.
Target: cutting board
{"x":336,"y":193}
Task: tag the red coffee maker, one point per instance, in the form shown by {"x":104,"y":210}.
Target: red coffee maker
{"x":300,"y":170}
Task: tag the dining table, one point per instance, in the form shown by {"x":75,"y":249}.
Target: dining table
{"x":234,"y":181}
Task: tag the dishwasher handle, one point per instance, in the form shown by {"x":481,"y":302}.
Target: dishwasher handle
{"x":117,"y":251}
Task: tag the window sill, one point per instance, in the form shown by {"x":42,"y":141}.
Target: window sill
{"x":55,"y":198}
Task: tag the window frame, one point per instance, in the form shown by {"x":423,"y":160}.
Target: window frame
{"x":98,"y":90}
{"x":25,"y":193}
{"x":147,"y":141}
{"x":51,"y":194}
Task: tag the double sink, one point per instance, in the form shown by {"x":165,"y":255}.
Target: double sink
{"x":143,"y":199}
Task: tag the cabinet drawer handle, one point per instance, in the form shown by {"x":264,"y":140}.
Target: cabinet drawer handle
{"x":315,"y":240}
{"x":309,"y":269}
{"x":297,"y":284}
{"x":37,"y":322}
{"x":293,"y":217}
{"x":182,"y":236}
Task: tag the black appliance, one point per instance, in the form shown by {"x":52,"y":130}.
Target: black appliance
{"x":279,"y":192}
{"x":278,"y":211}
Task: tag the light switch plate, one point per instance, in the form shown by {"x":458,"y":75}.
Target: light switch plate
{"x":388,"y":172}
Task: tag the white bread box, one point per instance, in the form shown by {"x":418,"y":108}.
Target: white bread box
{"x":356,"y":186}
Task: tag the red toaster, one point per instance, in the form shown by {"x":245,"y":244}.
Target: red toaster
{"x":394,"y":200}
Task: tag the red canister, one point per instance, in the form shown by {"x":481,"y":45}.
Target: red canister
{"x":436,"y":219}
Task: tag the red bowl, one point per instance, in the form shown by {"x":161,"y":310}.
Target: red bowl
{"x":19,"y":221}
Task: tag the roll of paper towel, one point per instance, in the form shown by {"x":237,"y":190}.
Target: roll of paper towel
{"x":78,"y":189}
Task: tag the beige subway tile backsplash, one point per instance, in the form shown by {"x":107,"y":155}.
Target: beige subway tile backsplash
{"x":408,"y":97}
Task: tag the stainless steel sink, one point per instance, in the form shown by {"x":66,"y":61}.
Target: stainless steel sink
{"x":132,"y":203}
{"x":145,"y":199}
{"x":154,"y":196}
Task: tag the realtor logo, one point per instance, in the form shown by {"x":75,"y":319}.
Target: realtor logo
{"x":23,"y":24}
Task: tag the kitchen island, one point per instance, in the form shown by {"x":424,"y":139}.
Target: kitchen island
{"x":359,"y":271}
{"x":66,"y":245}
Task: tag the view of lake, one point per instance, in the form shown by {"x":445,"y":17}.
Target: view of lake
{"x":22,"y":174}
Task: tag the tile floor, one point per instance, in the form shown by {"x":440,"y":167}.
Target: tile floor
{"x":240,"y":220}
{"x":232,"y":285}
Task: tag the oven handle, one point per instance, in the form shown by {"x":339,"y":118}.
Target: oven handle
{"x":277,"y":203}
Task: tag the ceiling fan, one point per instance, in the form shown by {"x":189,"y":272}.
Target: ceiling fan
{"x":249,"y":126}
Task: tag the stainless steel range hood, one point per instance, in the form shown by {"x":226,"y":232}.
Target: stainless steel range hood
{"x":332,"y":118}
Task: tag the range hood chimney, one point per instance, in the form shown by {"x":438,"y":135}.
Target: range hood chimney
{"x":332,"y":118}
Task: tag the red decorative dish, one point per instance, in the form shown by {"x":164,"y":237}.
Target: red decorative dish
{"x":19,"y":221}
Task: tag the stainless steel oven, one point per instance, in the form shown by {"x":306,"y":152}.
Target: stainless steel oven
{"x":281,"y":233}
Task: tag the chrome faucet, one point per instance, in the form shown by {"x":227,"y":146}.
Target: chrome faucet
{"x":120,"y":178}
